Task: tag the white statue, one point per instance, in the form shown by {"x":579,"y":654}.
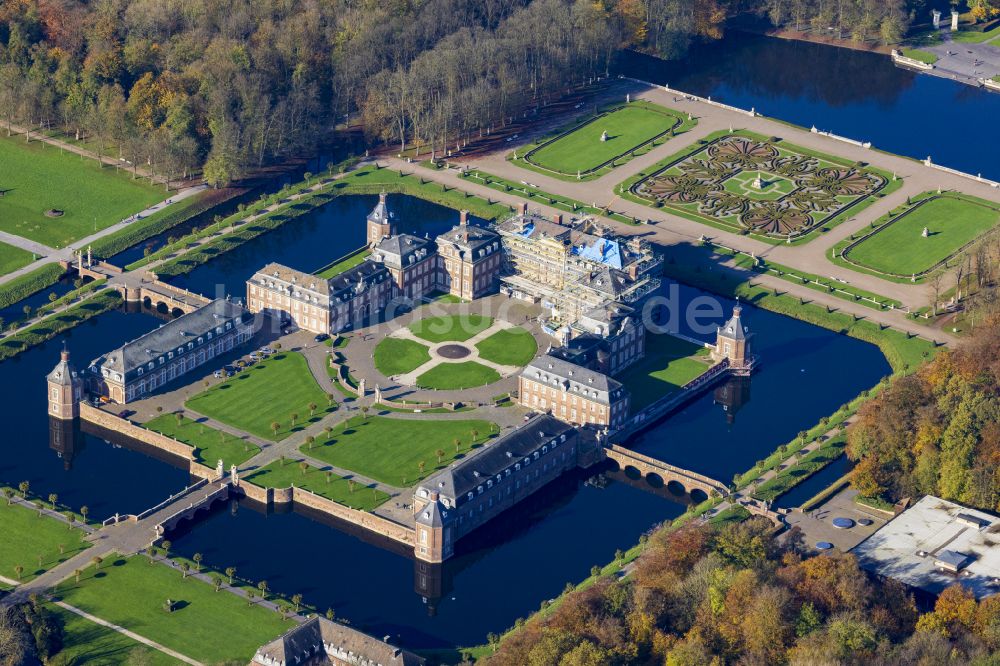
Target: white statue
{"x":604,"y":135}
{"x":925,"y":233}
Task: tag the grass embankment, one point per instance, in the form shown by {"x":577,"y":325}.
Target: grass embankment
{"x":847,"y":205}
{"x":34,"y":542}
{"x":183,"y":255}
{"x":397,"y":356}
{"x":276,"y":392}
{"x":897,"y":247}
{"x":162,"y":220}
{"x":631,"y":129}
{"x":920,"y":55}
{"x":288,"y":473}
{"x":39,"y":178}
{"x":450,"y":328}
{"x":209,"y":444}
{"x":30,"y":283}
{"x":344,"y":263}
{"x":669,"y":364}
{"x":802,"y":469}
{"x":52,"y":326}
{"x":390,"y":450}
{"x":511,"y":346}
{"x":457,"y":376}
{"x":131,"y":592}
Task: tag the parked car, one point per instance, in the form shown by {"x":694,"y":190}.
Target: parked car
{"x":321,"y":337}
{"x":125,"y":413}
{"x":266,"y":351}
{"x":219,"y":374}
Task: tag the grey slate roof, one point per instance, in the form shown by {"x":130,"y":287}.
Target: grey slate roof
{"x":321,"y":636}
{"x":381,"y":213}
{"x":734,"y":329}
{"x":590,"y":384}
{"x":368,"y":271}
{"x":168,"y":337}
{"x":396,"y":251}
{"x":509,"y":449}
{"x":64,"y":373}
{"x":468,"y":238}
{"x":609,"y":282}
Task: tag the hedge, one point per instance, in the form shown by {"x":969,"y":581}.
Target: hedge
{"x":30,"y":283}
{"x":52,"y":326}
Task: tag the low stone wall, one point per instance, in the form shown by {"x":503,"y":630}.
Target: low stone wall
{"x":124,"y":426}
{"x":368,"y":521}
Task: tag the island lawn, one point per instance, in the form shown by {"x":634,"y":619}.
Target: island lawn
{"x":37,"y":177}
{"x":457,"y":376}
{"x":669,"y":364}
{"x":265,"y":393}
{"x":288,"y":473}
{"x":206,"y":625}
{"x":899,"y":247}
{"x":454,"y":328}
{"x":512,"y":346}
{"x":86,"y":642}
{"x":26,"y":535}
{"x":390,"y":450}
{"x":397,"y":356}
{"x":582,"y":150}
{"x":210,"y":444}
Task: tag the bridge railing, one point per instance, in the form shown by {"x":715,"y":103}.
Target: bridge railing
{"x":173,"y":498}
{"x":667,"y":467}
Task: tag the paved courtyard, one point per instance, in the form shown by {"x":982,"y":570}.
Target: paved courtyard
{"x":816,"y":525}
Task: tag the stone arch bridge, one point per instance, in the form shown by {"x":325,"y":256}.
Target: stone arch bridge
{"x":647,"y":466}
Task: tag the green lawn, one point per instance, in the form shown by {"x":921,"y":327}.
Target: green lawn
{"x":12,"y":258}
{"x":36,"y":177}
{"x":26,"y":536}
{"x":85,"y":642}
{"x":899,"y":247}
{"x":209,"y":444}
{"x":266,"y":393}
{"x":920,"y":56}
{"x":338,"y":489}
{"x":975,"y":36}
{"x":669,"y":363}
{"x":582,"y":150}
{"x":454,"y":328}
{"x":397,"y":356}
{"x":342,"y":264}
{"x":451,"y":376}
{"x":209,"y":626}
{"x":512,"y":346}
{"x":390,"y":450}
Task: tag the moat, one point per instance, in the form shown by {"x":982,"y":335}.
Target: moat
{"x":498,"y":575}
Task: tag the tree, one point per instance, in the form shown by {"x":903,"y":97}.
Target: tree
{"x":197,"y":557}
{"x":294,"y":417}
{"x":458,"y":444}
{"x":275,"y":427}
{"x":262,"y":586}
{"x":85,"y":511}
{"x":297,"y":601}
{"x":421,"y":465}
{"x":18,"y":571}
{"x":312,"y":409}
{"x":185,"y":568}
{"x":440,"y":455}
{"x":303,"y":467}
{"x":53,"y":498}
{"x":250,"y":597}
{"x":217,"y":582}
{"x":76,"y":574}
{"x":8,"y":494}
{"x":310,"y":440}
{"x":97,"y":560}
{"x":230,"y":573}
{"x":329,"y":475}
{"x":329,"y":614}
{"x":24,"y":487}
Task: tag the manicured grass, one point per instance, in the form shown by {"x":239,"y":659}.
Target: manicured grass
{"x":12,"y":258}
{"x":37,"y":177}
{"x":209,"y":444}
{"x":900,"y":249}
{"x":289,"y":473}
{"x":456,"y":328}
{"x":30,"y":283}
{"x":344,"y":263}
{"x":397,"y":356}
{"x":85,"y":642}
{"x":389,"y":450}
{"x":512,"y":346}
{"x":975,"y":36}
{"x":266,"y":393}
{"x":628,"y":127}
{"x":27,"y":535}
{"x":51,"y":326}
{"x":206,"y":625}
{"x":451,"y":376}
{"x":920,"y":56}
{"x":732,"y":514}
{"x":788,"y":478}
{"x":669,"y":364}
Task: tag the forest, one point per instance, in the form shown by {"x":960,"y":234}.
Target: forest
{"x":224,"y":86}
{"x":703,"y":595}
{"x":936,"y":431}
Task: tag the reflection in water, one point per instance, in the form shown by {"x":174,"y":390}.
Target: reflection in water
{"x":65,"y":439}
{"x":732,"y":396}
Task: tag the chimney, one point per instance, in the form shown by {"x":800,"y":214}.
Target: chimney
{"x":557,"y":218}
{"x":463,"y":218}
{"x":381,"y":197}
{"x":524,"y":208}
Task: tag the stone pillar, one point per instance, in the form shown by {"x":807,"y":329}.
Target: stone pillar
{"x":90,"y":257}
{"x":219,"y":469}
{"x":936,"y":17}
{"x":378,"y":394}
{"x":361,"y":388}
{"x":234,"y":476}
{"x":954,"y":20}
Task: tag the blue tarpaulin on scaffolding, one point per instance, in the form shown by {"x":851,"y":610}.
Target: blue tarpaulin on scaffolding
{"x":601,"y":250}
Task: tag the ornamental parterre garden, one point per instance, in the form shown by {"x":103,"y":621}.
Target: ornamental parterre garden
{"x":747,"y":182}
